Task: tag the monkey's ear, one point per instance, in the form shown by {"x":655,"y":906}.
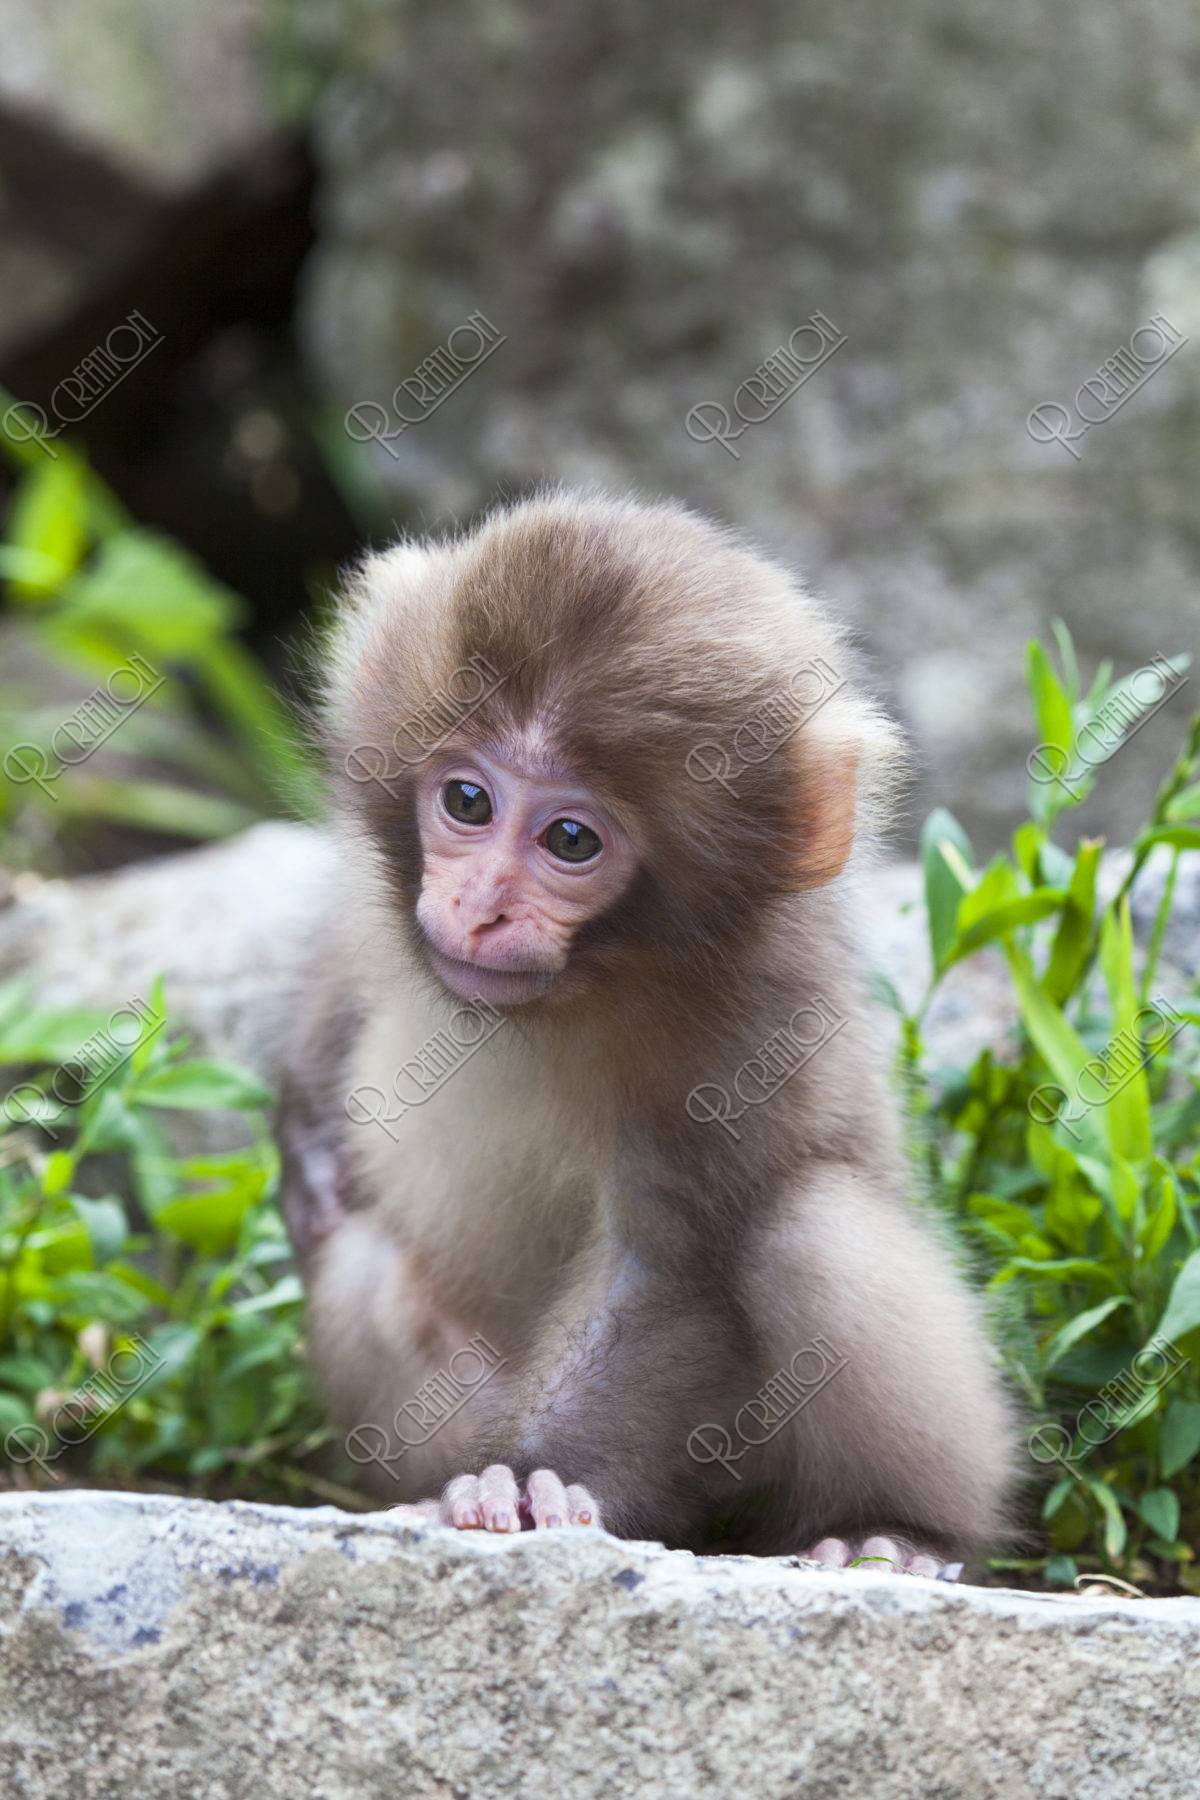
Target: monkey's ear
{"x":825,"y":822}
{"x":849,"y":772}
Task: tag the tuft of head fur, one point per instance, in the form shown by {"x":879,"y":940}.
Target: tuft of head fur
{"x":641,"y":647}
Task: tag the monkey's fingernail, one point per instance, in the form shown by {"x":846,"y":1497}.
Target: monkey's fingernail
{"x":552,"y":1520}
{"x":468,"y":1517}
{"x":950,"y":1572}
{"x":583,"y":1518}
{"x":502,"y":1521}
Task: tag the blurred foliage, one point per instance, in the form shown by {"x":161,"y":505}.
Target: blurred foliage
{"x":1071,"y":1167}
{"x":150,"y":1321}
{"x":166,"y":689}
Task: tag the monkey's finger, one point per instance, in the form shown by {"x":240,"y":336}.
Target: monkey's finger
{"x":581,"y":1507}
{"x":923,"y":1565}
{"x":831,"y":1553}
{"x":545,"y":1500}
{"x":500,"y":1498}
{"x":415,"y":1511}
{"x":462,"y":1503}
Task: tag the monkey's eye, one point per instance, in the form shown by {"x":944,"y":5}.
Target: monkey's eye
{"x":570,"y":841}
{"x":467,"y":802}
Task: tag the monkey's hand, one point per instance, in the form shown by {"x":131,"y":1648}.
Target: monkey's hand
{"x":495,"y":1501}
{"x":889,"y":1553}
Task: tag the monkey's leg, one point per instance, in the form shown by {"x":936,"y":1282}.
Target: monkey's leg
{"x":907,"y":1435}
{"x":380,"y":1333}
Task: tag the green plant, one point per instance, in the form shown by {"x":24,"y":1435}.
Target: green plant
{"x":1071,"y":1165}
{"x":208,"y":742}
{"x":149,"y":1318}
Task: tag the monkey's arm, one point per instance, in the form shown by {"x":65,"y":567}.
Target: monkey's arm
{"x":636,"y":1357}
{"x":314,"y":1181}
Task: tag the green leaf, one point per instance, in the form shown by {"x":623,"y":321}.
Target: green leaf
{"x":1179,"y":1436}
{"x":1185,"y":805}
{"x":207,"y":1222}
{"x":1160,"y":1511}
{"x":29,"y":1374}
{"x":51,"y":1036}
{"x":154,"y":593}
{"x":287,"y":1291}
{"x":1057,"y":1269}
{"x":47,"y":519}
{"x":1073,"y":940}
{"x":1098,"y":689}
{"x":1025,"y":910}
{"x":1051,"y":703}
{"x":173,"y":1346}
{"x":1115,"y":1533}
{"x":1061,"y":1571}
{"x":1114,"y":713}
{"x":1180,"y":837}
{"x":57,"y":1173}
{"x":1027,"y":843}
{"x":1059,"y":1045}
{"x":1183,"y":1307}
{"x":13,"y":1412}
{"x":203,"y":1084}
{"x":1161,"y":1222}
{"x":1066,"y":652}
{"x":99,"y":1294}
{"x":884,"y":991}
{"x":1078,"y":1328}
{"x":1127,"y":1110}
{"x":947,"y":860}
{"x":1056,"y":1496}
{"x":1057,"y":784}
{"x":105,"y":1224}
{"x":1126,"y":1188}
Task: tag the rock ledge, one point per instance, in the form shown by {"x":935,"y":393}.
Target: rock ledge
{"x":160,"y":1647}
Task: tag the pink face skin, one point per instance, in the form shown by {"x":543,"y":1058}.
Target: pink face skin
{"x":498,"y":908}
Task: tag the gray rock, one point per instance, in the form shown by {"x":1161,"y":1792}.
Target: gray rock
{"x":987,"y":201}
{"x":226,"y":926}
{"x":168,"y":94}
{"x":159,"y":1647}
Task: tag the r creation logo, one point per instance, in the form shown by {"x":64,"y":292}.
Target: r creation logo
{"x":775,"y":1405}
{"x":417,"y":1080}
{"x":80,"y":393}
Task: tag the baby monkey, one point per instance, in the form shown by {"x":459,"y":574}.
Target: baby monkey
{"x":590,"y":1160}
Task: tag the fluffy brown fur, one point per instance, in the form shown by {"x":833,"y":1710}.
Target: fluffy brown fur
{"x":641,"y":1270}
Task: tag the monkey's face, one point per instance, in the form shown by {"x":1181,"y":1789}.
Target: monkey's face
{"x":515,"y":860}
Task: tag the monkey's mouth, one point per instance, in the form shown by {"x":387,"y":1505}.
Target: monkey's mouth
{"x":477,"y":981}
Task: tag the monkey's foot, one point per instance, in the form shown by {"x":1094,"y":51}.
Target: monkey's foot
{"x":897,"y":1554}
{"x":494,"y":1501}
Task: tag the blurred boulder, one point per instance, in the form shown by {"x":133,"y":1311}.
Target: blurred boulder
{"x":109,"y":109}
{"x":985,"y":202}
{"x":155,"y":200}
{"x":164,"y":94}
